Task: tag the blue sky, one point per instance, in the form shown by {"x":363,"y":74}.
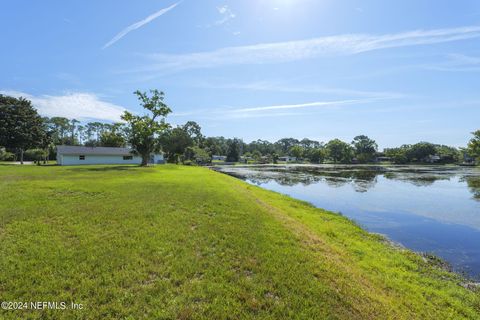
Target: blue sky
{"x":400,"y":72}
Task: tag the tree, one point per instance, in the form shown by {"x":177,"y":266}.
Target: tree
{"x":146,"y":129}
{"x":194,"y":131}
{"x":365,"y":148}
{"x":420,"y":151}
{"x":262,"y":146}
{"x":284,"y":145}
{"x":274,"y":158}
{"x":308,"y":144}
{"x":73,"y":131}
{"x":297,"y":152}
{"x":114,"y":136}
{"x":198,"y":155}
{"x":5,"y":155}
{"x":216,"y":145}
{"x":398,"y":155}
{"x":339,"y":151}
{"x":37,"y":155}
{"x":316,"y":155}
{"x":179,"y":142}
{"x":21,"y":127}
{"x":174,"y":142}
{"x":112,"y":139}
{"x":257,"y":155}
{"x":448,"y":154}
{"x":234,"y":150}
{"x":473,"y":147}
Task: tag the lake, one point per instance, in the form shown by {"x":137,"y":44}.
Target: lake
{"x":433,"y":209}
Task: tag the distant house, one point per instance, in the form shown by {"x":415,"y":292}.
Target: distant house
{"x":467,"y":159}
{"x":287,"y":159}
{"x":433,"y":159}
{"x":219,"y":158}
{"x":78,"y":155}
{"x":383,"y":159}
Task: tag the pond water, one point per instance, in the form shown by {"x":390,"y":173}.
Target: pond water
{"x":434,"y":209}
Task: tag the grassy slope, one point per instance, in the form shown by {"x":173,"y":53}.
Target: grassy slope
{"x":180,"y":242}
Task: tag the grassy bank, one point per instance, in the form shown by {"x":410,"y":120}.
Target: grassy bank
{"x":175,"y":242}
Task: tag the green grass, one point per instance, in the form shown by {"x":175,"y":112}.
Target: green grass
{"x":176,"y":242}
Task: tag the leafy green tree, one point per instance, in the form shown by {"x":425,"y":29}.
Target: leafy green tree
{"x":263,"y":146}
{"x":448,"y":154}
{"x":5,"y":155}
{"x":297,"y":151}
{"x":179,"y":143}
{"x":473,"y":147}
{"x":21,"y":127}
{"x":114,"y":135}
{"x":257,"y":155}
{"x":37,"y":155}
{"x":339,"y":151}
{"x":284,"y":145}
{"x":275,"y":158}
{"x":216,"y":145}
{"x":174,"y":142}
{"x":420,"y":151}
{"x":365,"y":148}
{"x":316,"y":155}
{"x":398,"y":155}
{"x":112,"y":139}
{"x":73,"y":131}
{"x":194,"y":131}
{"x":59,"y":126}
{"x":197,"y":154}
{"x":308,"y":144}
{"x":144,"y":130}
{"x":234,"y":150}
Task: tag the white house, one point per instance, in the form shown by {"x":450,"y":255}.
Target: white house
{"x":77,"y":155}
{"x":287,"y":159}
{"x":219,"y":158}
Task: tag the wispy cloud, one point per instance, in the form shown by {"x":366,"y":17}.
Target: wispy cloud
{"x":280,"y":110}
{"x":80,"y":106}
{"x":139,"y":24}
{"x":457,"y":63}
{"x":281,"y":52}
{"x":276,"y":86}
{"x":300,"y":105}
{"x":226,"y":13}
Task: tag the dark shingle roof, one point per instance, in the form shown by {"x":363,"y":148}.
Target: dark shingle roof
{"x":79,"y":150}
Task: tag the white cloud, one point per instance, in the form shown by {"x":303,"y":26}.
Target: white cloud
{"x":280,"y":52}
{"x":227,"y":15}
{"x":457,"y":63}
{"x":281,"y":110}
{"x":80,"y":106}
{"x":276,"y":86}
{"x":139,"y":24}
{"x":301,"y":105}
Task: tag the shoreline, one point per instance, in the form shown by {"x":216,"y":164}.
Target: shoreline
{"x":430,"y":256}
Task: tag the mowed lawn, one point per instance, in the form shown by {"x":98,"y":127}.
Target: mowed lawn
{"x":176,"y":242}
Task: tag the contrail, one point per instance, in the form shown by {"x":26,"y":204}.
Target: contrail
{"x":139,"y":24}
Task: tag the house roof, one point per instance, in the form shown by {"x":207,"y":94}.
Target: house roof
{"x":80,"y":150}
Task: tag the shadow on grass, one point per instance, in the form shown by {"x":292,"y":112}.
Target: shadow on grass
{"x":26,"y":164}
{"x":106,"y":168}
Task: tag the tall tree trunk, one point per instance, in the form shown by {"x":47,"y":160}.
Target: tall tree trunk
{"x":21,"y":155}
{"x":145,"y":159}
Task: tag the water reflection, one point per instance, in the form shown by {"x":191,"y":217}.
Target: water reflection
{"x":473,"y":183}
{"x":362,"y":178}
{"x":432,"y":209}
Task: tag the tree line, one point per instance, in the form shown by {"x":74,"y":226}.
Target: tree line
{"x":24,"y":133}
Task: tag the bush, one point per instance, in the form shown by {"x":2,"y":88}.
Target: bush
{"x":6,"y":156}
{"x":36,"y":155}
